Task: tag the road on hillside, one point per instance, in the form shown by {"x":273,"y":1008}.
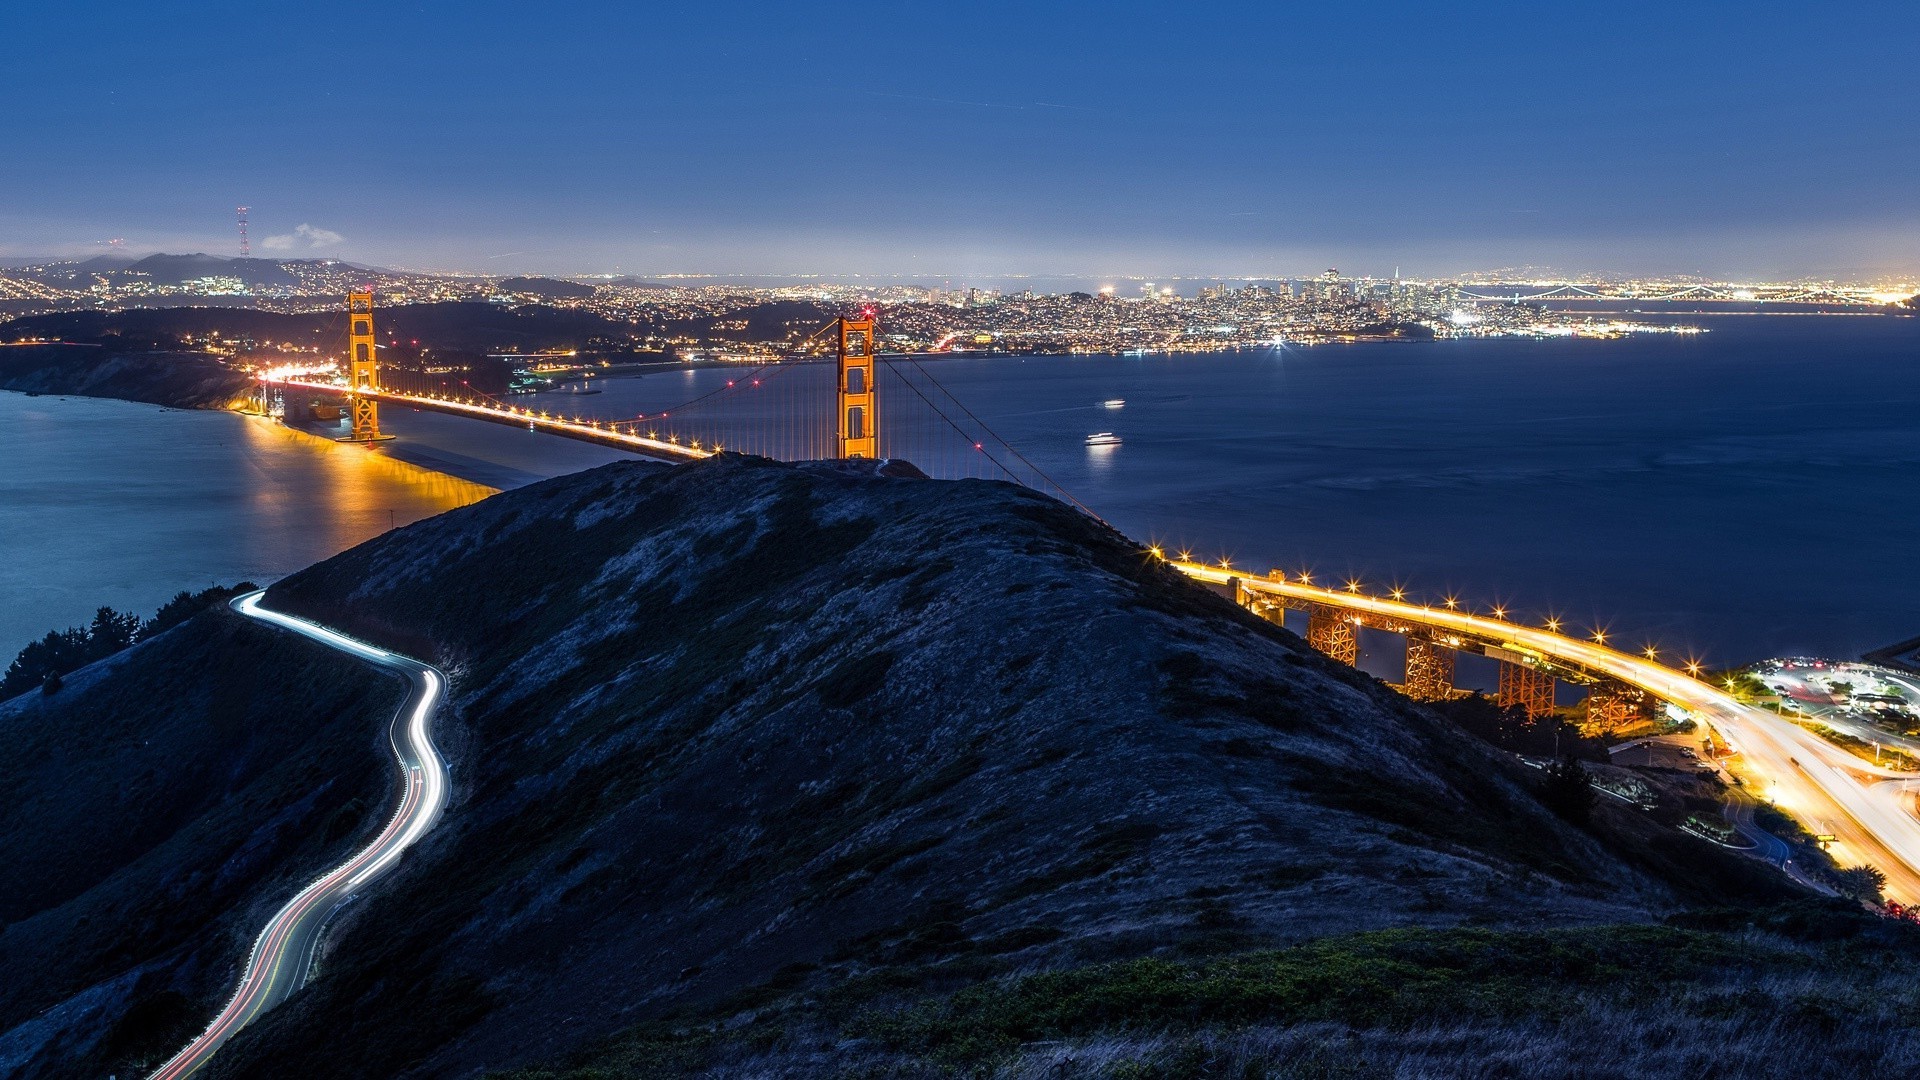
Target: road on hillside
{"x":1824,"y":786}
{"x":282,"y":955}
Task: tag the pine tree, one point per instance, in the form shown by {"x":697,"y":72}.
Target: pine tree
{"x":1568,"y":790}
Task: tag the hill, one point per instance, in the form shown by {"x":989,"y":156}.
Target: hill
{"x":179,"y":269}
{"x":454,"y":325}
{"x":549,"y":287}
{"x":182,"y":380}
{"x":799,"y":770}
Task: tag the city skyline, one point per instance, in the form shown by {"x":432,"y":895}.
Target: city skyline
{"x":1237,"y":142}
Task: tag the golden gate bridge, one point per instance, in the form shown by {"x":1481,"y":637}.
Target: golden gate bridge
{"x":836,"y":396}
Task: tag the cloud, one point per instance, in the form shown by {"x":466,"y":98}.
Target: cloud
{"x":305,"y":236}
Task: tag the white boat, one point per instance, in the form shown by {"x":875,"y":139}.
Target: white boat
{"x":1103,"y":438}
{"x":1114,"y":403}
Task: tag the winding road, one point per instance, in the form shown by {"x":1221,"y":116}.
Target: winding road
{"x":282,"y":955}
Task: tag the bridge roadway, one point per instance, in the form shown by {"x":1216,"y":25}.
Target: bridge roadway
{"x":591,"y":431}
{"x":1823,"y":786}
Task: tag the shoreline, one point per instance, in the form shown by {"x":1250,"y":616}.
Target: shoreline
{"x":122,"y":504}
{"x":402,"y":467}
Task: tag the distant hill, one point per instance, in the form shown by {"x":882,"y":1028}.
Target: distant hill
{"x":469,"y":327}
{"x":548,"y":287}
{"x":101,"y":263}
{"x":182,"y":380}
{"x":179,"y":269}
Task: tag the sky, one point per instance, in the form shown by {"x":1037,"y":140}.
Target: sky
{"x":1746,"y":141}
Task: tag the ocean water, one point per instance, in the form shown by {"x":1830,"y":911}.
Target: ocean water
{"x":1743,"y":493}
{"x":109,"y":502}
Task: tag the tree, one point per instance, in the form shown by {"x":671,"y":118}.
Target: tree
{"x":1568,"y":790}
{"x":185,"y":605}
{"x":1860,"y":883}
{"x":62,"y":651}
{"x":110,"y":632}
{"x":53,"y":684}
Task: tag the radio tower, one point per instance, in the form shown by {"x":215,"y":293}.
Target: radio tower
{"x":246,"y":249}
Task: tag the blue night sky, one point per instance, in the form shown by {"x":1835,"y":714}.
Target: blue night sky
{"x":975,"y":138}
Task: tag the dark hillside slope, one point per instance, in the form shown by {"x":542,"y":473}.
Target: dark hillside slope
{"x":462,"y":325}
{"x":185,"y":380}
{"x":741,"y":723}
{"x":152,"y":814}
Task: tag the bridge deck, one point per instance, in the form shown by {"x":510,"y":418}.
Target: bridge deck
{"x":582,"y":430}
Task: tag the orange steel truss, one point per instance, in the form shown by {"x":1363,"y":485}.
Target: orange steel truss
{"x":1529,"y":688}
{"x":1331,"y":631}
{"x":1429,"y":669}
{"x":1612,"y":706}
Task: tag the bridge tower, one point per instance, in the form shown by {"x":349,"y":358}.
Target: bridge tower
{"x":1331,"y":631}
{"x":859,"y":429}
{"x":363,"y":368}
{"x":1429,"y":669}
{"x":1528,"y":687}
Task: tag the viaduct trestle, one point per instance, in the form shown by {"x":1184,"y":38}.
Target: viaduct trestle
{"x":1529,"y":679}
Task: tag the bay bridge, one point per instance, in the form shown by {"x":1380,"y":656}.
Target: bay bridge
{"x":853,"y":401}
{"x":1760,"y":294}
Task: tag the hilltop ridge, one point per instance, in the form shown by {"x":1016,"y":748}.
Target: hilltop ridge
{"x":738,"y":732}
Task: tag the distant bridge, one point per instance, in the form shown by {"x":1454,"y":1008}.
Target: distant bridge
{"x":1764,"y":294}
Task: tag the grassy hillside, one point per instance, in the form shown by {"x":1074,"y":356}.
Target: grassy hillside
{"x":742,"y":723}
{"x":769,"y":769}
{"x":1809,"y":989}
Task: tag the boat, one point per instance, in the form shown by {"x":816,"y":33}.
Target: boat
{"x":1114,"y":403}
{"x":1103,"y":438}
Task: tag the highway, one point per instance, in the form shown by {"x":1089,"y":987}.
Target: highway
{"x":282,"y":955}
{"x":1823,"y":786}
